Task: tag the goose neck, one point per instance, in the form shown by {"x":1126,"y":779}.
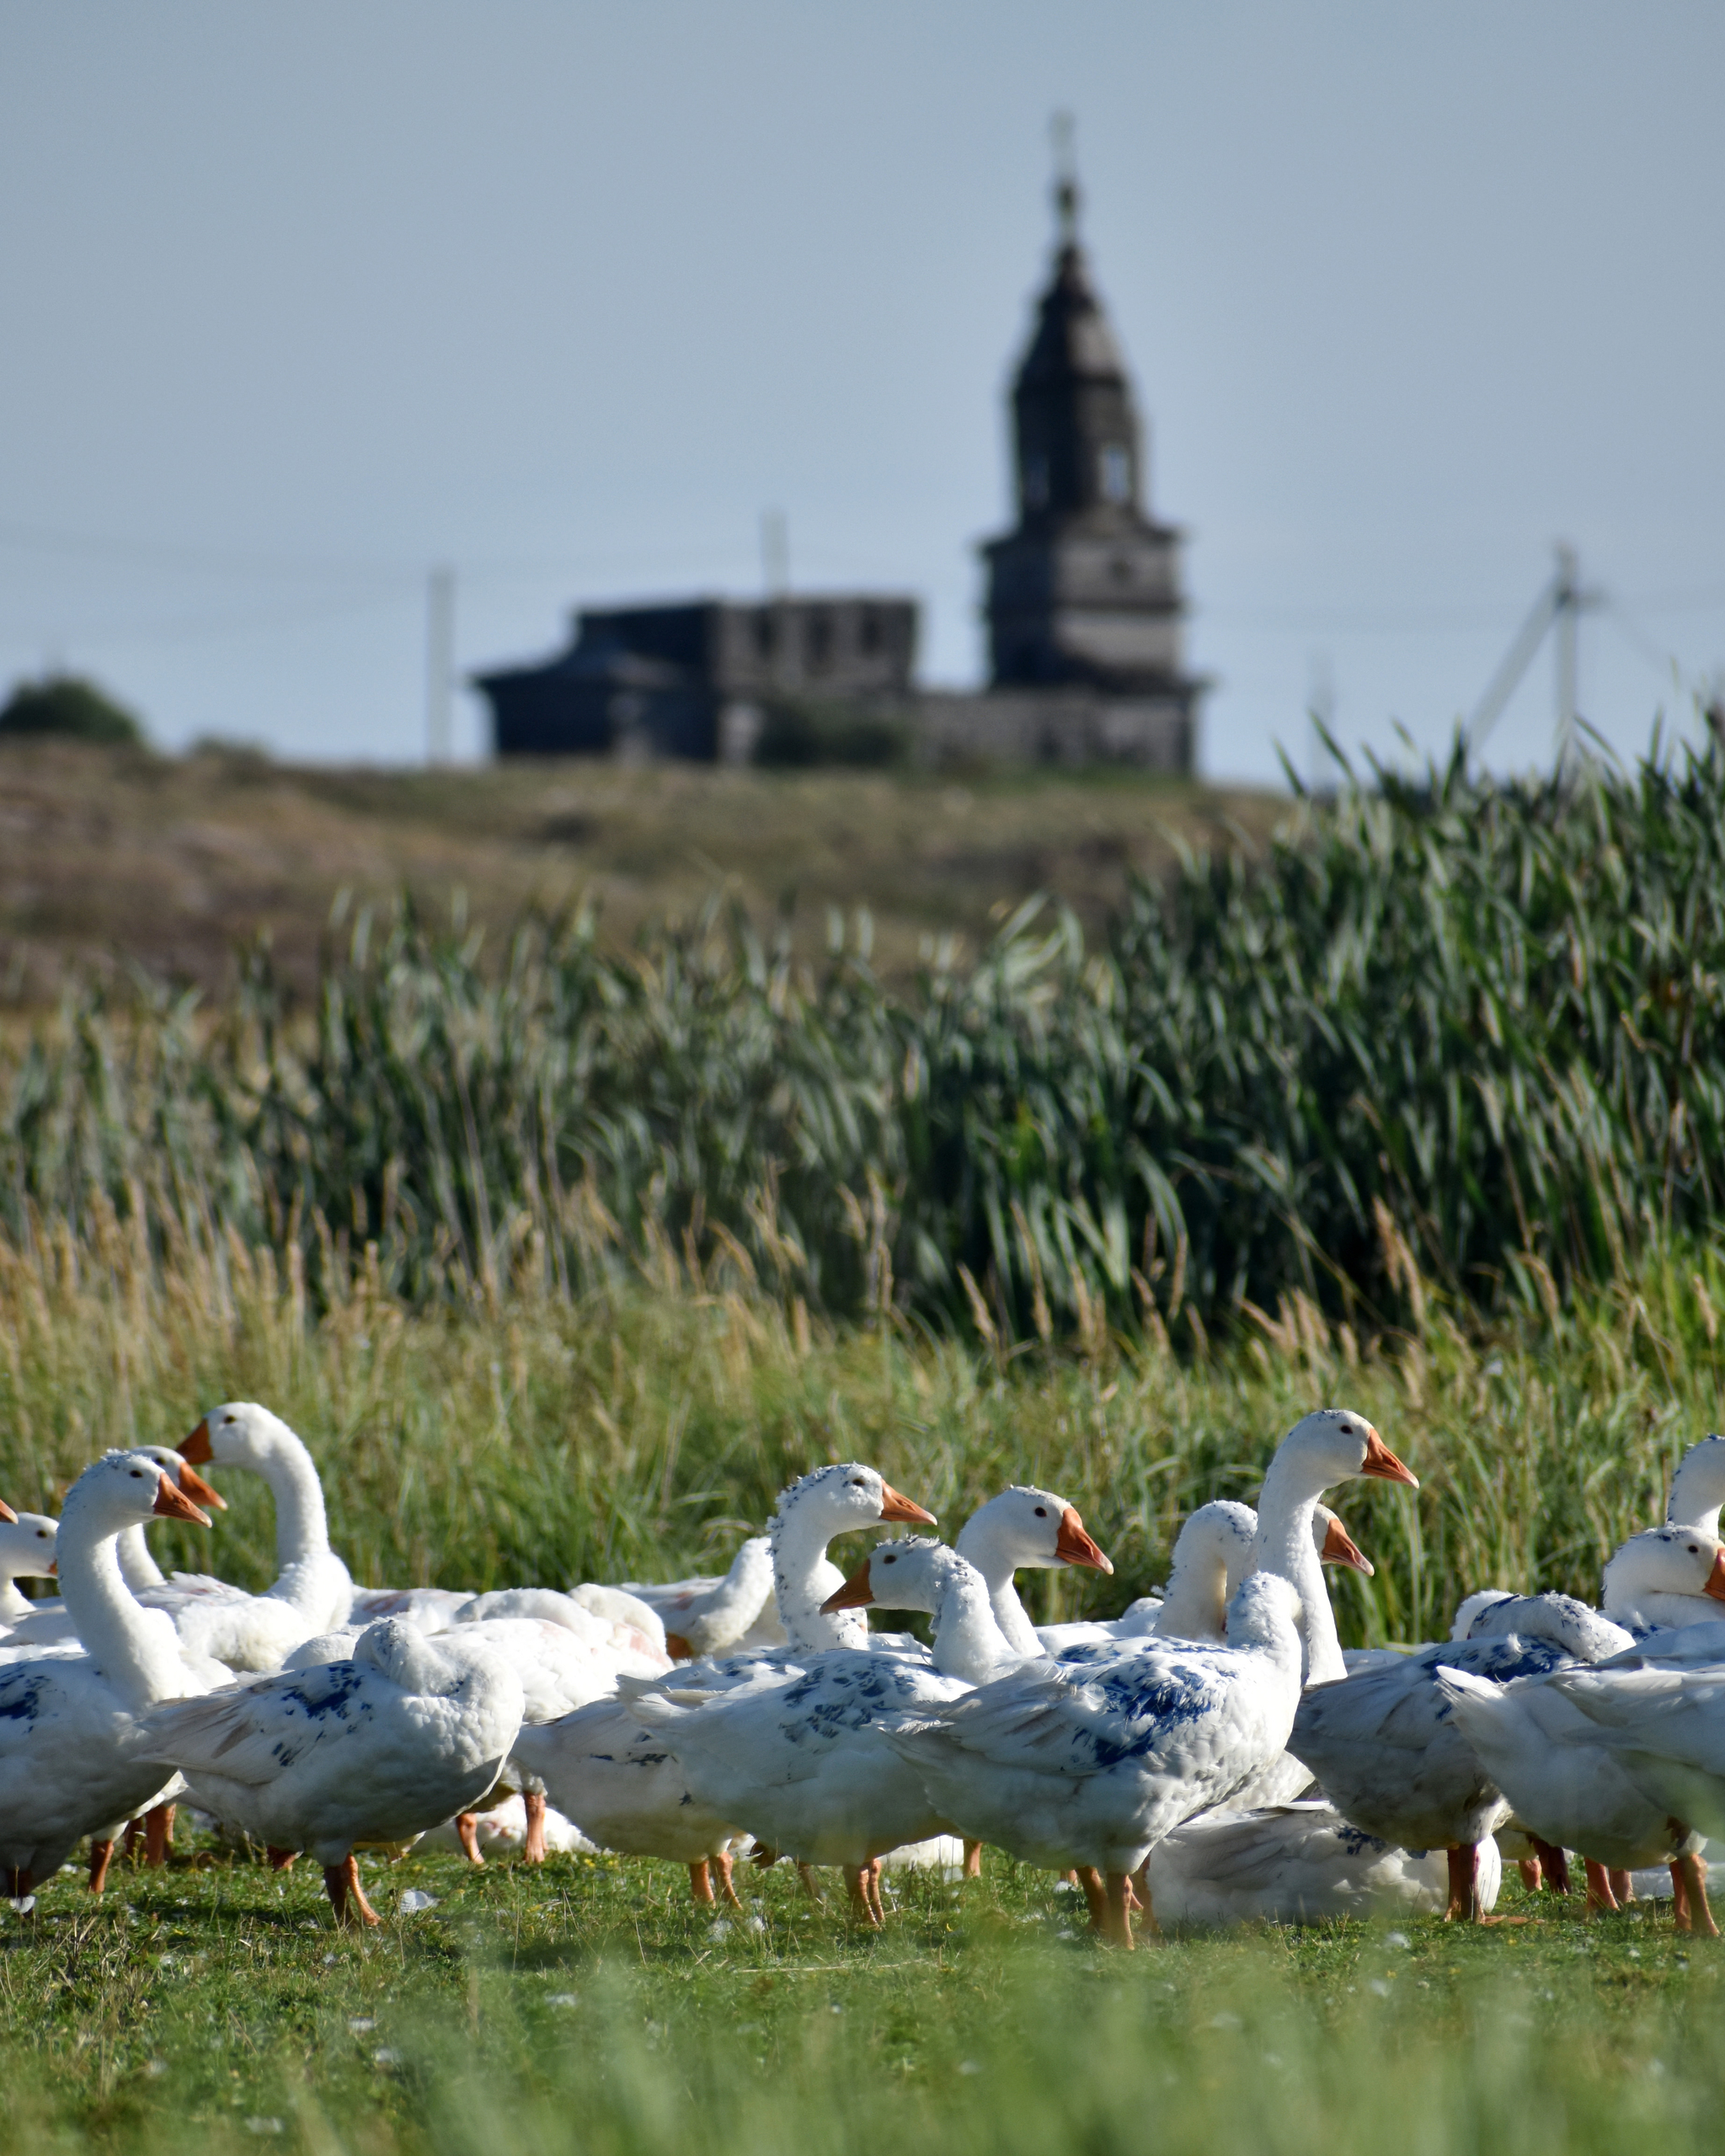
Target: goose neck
{"x":802,"y":1578}
{"x":1283,"y":1544}
{"x":14,"y":1602}
{"x":1196,"y":1601}
{"x":982,"y":1542}
{"x":302,"y":1521}
{"x":968,"y":1642}
{"x":138,"y":1566}
{"x":134,"y":1648}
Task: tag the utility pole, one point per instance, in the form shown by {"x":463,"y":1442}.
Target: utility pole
{"x":440,"y":665}
{"x":775,"y":554}
{"x":1321,"y":712}
{"x":1567,"y":602}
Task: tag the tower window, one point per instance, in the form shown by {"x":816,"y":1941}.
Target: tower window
{"x":1115,"y":472}
{"x":1036,"y":481}
{"x":818,"y":640}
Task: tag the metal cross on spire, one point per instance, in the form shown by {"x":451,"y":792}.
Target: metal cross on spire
{"x":1062,"y":132}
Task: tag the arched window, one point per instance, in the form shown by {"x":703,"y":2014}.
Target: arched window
{"x":1114,"y":471}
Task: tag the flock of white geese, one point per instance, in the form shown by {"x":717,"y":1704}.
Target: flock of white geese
{"x":1210,"y":1756}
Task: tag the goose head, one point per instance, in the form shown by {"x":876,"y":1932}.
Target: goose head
{"x":1665,"y":1560}
{"x":1029,"y":1527}
{"x":124,"y":1488}
{"x":910,"y":1573}
{"x":1334,"y":1443}
{"x":185,"y":1476}
{"x":27,"y":1547}
{"x":1335,"y":1545}
{"x":239,"y":1433}
{"x":839,"y":1499}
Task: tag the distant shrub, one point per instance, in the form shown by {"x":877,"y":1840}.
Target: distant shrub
{"x":800,"y":734}
{"x":74,"y":709}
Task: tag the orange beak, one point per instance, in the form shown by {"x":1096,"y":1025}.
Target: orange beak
{"x":1716,"y":1579}
{"x":1073,"y":1546}
{"x":196,"y":1447}
{"x":199,"y":1491}
{"x":7,"y":1512}
{"x":894,"y":1508}
{"x":53,"y":1564}
{"x":1381,"y":1461}
{"x":1341,"y":1549}
{"x":678,"y":1648}
{"x":856,"y":1593}
{"x":172,"y":1504}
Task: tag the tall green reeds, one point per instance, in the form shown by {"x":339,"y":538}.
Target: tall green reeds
{"x":1454,"y":1032}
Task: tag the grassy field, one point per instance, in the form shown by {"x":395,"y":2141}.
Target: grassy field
{"x":589,"y":2005}
{"x":111,"y":855}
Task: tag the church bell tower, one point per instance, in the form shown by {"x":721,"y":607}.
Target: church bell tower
{"x":1086,"y":589}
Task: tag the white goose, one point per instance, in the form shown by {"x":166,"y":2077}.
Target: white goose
{"x":1299,"y":1863}
{"x":1665,"y":1578}
{"x":608,"y":1771}
{"x":377,"y":1748}
{"x":1212,"y":1553}
{"x":802,"y":1765}
{"x":246,"y":1632}
{"x":1025,"y":1526}
{"x":1089,"y":1767}
{"x":709,"y":1616}
{"x":49,"y":1622}
{"x":1090,"y":1762}
{"x":561,"y":1665}
{"x":1698,"y":1487}
{"x":26,"y":1553}
{"x":72,"y":1759}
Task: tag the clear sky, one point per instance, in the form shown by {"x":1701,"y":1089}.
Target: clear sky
{"x":297,"y":301}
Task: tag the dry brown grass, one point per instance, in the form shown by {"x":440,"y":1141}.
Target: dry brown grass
{"x":108,"y":855}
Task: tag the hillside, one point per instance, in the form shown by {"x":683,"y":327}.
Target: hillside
{"x":108,"y":855}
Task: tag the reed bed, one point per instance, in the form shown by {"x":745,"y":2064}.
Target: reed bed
{"x":642,"y":1428}
{"x":1480,"y":1025}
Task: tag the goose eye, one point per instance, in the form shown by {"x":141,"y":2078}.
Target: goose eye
{"x":137,"y":1475}
{"x":1042,"y":1511}
{"x":892,"y":1561}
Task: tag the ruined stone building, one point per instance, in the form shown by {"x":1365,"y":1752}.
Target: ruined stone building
{"x":1085,"y":609}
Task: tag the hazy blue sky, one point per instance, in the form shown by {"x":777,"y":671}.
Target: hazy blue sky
{"x":300,"y":298}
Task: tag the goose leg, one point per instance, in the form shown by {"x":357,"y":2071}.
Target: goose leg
{"x":1623,"y":1887}
{"x":973,"y":1860}
{"x":1529,"y":1867}
{"x":1554,"y":1867}
{"x":16,"y":1883}
{"x":101,"y":1856}
{"x":1118,"y":1932}
{"x":722,"y":1869}
{"x":466,"y":1831}
{"x":811,"y":1885}
{"x":1600,"y":1900}
{"x":1464,"y":1884}
{"x":280,"y":1859}
{"x":701,"y":1883}
{"x":347,"y":1897}
{"x":533,"y":1849}
{"x":158,"y":1833}
{"x":1095,"y":1893}
{"x":128,"y":1838}
{"x":856,"y":1886}
{"x":874,"y":1892}
{"x":1689,"y":1880}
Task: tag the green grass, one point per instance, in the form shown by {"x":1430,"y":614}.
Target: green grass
{"x":590,"y":2006}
